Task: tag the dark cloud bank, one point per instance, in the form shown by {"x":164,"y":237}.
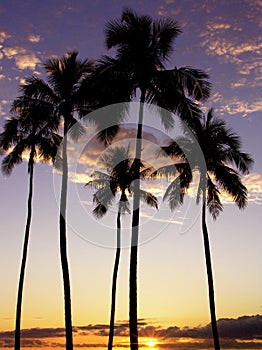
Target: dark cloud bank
{"x":244,"y":332}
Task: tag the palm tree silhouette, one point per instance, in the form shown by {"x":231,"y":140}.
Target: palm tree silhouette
{"x":143,"y":45}
{"x":32,"y":128}
{"x":66,"y":76}
{"x":119,"y":178}
{"x":225,"y":162}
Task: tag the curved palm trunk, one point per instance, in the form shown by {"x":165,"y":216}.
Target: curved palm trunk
{"x":63,"y":248}
{"x":24,"y":255}
{"x":113,"y":303}
{"x":210,"y":278}
{"x":134,"y":239}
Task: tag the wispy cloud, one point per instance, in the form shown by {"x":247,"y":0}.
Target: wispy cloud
{"x":239,"y":106}
{"x":228,"y":46}
{"x":81,"y":178}
{"x":253,"y":182}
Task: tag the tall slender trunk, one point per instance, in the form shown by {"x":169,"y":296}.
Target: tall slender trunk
{"x":114,"y":281}
{"x":24,"y":255}
{"x":135,"y":230}
{"x":209,"y":277}
{"x":63,"y":247}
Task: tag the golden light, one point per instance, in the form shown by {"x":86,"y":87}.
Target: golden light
{"x":183,"y":340}
{"x":188,"y":340}
{"x":151,"y":343}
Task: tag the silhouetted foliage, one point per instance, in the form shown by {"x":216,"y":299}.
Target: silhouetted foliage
{"x":32,"y":129}
{"x":119,"y":178}
{"x":225,"y":162}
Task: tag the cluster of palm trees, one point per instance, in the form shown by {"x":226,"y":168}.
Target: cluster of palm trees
{"x":47,"y":109}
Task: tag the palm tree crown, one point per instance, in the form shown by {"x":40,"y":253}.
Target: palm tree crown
{"x":62,"y":89}
{"x":32,"y":128}
{"x":225,"y":162}
{"x":119,"y":178}
{"x":142,"y":44}
{"x":143,"y":47}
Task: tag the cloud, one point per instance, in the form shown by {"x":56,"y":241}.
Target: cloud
{"x":241,"y":332}
{"x":27,"y":61}
{"x":10,"y":52}
{"x":228,"y":47}
{"x":34,"y":38}
{"x":3,"y":37}
{"x":253,"y":182}
{"x":81,"y":178}
{"x":230,"y":44}
{"x":218,"y":26}
{"x":88,"y":160}
{"x":244,"y":328}
{"x":166,"y":221}
{"x":244,"y":108}
{"x":24,"y":59}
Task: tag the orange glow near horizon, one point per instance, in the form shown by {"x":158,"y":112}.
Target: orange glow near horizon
{"x":150,"y":343}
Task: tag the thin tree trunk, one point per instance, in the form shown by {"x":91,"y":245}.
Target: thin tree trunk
{"x":210,"y":278}
{"x":63,"y":247}
{"x":24,"y":255}
{"x":134,"y":239}
{"x":114,"y":281}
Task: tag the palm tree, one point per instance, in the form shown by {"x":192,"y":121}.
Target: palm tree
{"x":31,"y":129}
{"x":225,"y":162}
{"x":119,"y":178}
{"x":143,"y":45}
{"x":66,"y":76}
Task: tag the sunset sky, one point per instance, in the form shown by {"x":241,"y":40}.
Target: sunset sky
{"x":221,"y":37}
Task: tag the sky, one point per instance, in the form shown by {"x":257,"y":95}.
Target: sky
{"x":224,"y":39}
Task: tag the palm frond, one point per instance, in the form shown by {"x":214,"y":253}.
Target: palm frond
{"x":167,"y":117}
{"x":38,"y":89}
{"x":75,"y":128}
{"x":119,"y":178}
{"x":99,"y":175}
{"x":149,"y":198}
{"x":213,"y":201}
{"x":147,"y":172}
{"x":98,"y":184}
{"x":123,"y":205}
{"x":10,"y":135}
{"x":115,"y":156}
{"x":66,"y":73}
{"x":243,"y":161}
{"x":107,"y":134}
{"x":176,"y":149}
{"x":10,"y":160}
{"x":173,"y":194}
{"x":165,"y":31}
{"x":194,"y":82}
{"x":104,"y":196}
{"x":230,"y":181}
{"x":166,"y":171}
{"x":100,"y":210}
{"x":48,"y":147}
{"x":166,"y":92}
